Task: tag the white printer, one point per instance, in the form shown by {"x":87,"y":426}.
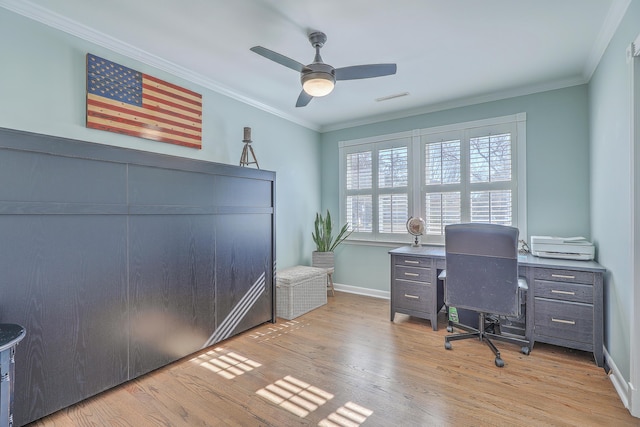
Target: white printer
{"x":577,"y":248}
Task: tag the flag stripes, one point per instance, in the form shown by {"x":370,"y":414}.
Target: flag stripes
{"x":126,"y":101}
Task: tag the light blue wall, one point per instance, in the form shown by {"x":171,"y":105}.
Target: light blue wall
{"x":574,"y":188}
{"x":557,"y":171}
{"x":42,"y":89}
{"x":611,"y":223}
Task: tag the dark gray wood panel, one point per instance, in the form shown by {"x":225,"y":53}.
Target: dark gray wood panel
{"x":27,"y":141}
{"x":236,"y":191}
{"x":64,"y":279}
{"x":56,"y":179}
{"x":171,"y":288}
{"x":118,"y":262}
{"x":170,"y":187}
{"x":244,"y":273}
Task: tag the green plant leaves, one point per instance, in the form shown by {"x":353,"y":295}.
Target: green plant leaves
{"x":323,"y":233}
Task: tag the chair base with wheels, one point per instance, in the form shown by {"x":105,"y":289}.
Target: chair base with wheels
{"x":486,"y":332}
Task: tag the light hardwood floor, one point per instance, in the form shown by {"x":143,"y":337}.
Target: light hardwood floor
{"x":345,"y":364}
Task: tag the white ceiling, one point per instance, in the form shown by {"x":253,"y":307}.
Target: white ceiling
{"x":448,"y":52}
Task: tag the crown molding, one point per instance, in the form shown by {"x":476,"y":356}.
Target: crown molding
{"x":462,"y":102}
{"x":611,"y":22}
{"x":47,"y":17}
{"x":69,"y":26}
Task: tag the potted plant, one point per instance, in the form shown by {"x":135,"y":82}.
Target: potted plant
{"x":325,"y":242}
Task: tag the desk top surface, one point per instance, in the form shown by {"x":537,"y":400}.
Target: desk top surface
{"x":432,"y":251}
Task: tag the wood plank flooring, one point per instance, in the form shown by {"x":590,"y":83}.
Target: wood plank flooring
{"x":345,"y":364}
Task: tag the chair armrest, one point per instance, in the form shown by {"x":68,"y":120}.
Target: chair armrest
{"x":523,"y":287}
{"x":443,"y":276}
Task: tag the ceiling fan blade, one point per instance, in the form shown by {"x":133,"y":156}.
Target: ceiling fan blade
{"x":365,"y":71}
{"x":276,"y":57}
{"x":303,"y":99}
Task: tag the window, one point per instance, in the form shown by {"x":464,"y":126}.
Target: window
{"x":393,"y":199}
{"x":376,"y":188}
{"x":469,"y":172}
{"x":359,"y":208}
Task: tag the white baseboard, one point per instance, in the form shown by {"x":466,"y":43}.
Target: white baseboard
{"x":362,"y":291}
{"x":634,"y":401}
{"x":626,"y":391}
{"x":619,"y":383}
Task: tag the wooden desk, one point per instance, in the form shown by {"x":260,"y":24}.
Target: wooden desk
{"x":564,"y":301}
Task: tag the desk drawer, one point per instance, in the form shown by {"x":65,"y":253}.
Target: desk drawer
{"x":555,"y":275}
{"x":566,"y":320}
{"x":564,"y":291}
{"x":412,"y":295}
{"x":413,"y":273}
{"x":412,"y":261}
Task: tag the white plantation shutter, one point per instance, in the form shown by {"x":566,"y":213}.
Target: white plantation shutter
{"x":441,"y":209}
{"x":490,"y":183}
{"x":442,"y":184}
{"x":490,"y":158}
{"x":360,"y":213}
{"x":467,"y":172}
{"x":393,"y":213}
{"x":393,"y":167}
{"x":376,"y":187}
{"x":359,"y":178}
{"x":491,"y":206}
{"x":359,"y":171}
{"x":442,"y":162}
{"x":393,"y":199}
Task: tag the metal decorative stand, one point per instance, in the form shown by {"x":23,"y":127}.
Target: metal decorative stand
{"x":415,"y":227}
{"x":248,"y":150}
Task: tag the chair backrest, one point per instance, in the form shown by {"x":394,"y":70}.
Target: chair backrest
{"x":482,"y":268}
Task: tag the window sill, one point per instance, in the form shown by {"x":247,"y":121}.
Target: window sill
{"x":385,"y":244}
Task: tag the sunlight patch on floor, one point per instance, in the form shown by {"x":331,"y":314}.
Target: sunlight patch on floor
{"x":226,"y":364}
{"x":348,"y":415}
{"x":277,"y":330}
{"x":295,"y":396}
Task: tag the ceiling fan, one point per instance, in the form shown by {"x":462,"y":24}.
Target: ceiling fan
{"x":318,"y":78}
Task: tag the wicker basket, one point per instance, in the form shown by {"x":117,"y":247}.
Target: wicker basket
{"x":299,"y":290}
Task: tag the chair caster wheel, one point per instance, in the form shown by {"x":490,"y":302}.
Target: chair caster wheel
{"x":449,"y":329}
{"x":525,"y":351}
{"x":499,"y":362}
{"x":447,"y":345}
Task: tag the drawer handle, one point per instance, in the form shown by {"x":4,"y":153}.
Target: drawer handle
{"x":412,"y":274}
{"x":407,"y":261}
{"x":563,"y":276}
{"x":554,"y":291}
{"x":411,"y":296}
{"x":568,"y":322}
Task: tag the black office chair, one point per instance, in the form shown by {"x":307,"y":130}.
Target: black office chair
{"x":482,"y":276}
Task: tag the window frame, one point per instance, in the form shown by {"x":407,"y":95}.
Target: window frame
{"x":514,"y":124}
{"x":375,"y":144}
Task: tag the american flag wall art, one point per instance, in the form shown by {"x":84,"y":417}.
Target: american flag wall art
{"x":122,"y":100}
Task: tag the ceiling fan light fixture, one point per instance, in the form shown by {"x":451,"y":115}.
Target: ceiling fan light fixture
{"x":319,"y":78}
{"x":318,"y":84}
